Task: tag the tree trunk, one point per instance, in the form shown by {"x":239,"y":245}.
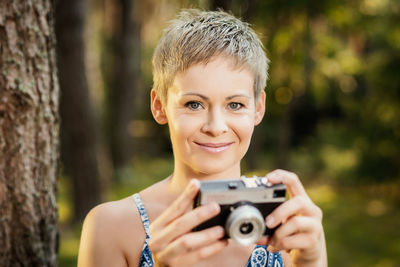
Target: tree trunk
{"x":286,"y":132}
{"x":223,"y":4}
{"x":124,"y":81}
{"x":258,"y":137}
{"x":29,"y":134}
{"x":285,"y":137}
{"x":79,"y":140}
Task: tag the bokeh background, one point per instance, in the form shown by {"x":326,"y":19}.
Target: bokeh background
{"x":333,"y":102}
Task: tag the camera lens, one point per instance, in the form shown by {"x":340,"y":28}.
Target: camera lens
{"x":245,"y":225}
{"x":246,"y":228}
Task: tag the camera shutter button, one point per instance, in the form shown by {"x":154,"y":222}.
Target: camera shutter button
{"x":232,"y":185}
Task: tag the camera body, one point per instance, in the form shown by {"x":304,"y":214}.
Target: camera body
{"x":244,"y":203}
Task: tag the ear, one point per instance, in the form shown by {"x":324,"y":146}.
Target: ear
{"x":260,"y":108}
{"x":157,"y":108}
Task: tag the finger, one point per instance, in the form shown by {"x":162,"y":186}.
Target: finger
{"x":294,"y":206}
{"x":301,"y":241}
{"x":272,"y":249}
{"x":295,"y":225}
{"x":290,"y":179}
{"x":263,"y":240}
{"x":199,"y":254}
{"x":184,"y":224}
{"x":179,"y":206}
{"x":191,"y":241}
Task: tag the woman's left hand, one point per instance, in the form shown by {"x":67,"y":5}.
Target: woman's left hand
{"x":301,"y":232}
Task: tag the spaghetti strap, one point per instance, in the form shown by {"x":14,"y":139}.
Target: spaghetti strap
{"x":146,"y":259}
{"x":143,"y":215}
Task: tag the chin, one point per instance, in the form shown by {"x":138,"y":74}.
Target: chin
{"x":213,"y":168}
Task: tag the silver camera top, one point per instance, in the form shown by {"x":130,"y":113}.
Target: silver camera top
{"x":255,"y":181}
{"x":253,"y":189}
{"x":244,"y":203}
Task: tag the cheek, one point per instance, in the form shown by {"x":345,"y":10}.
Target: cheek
{"x":184,"y":126}
{"x":244,"y":127}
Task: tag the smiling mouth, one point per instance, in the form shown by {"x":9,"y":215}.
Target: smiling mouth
{"x":214,"y":147}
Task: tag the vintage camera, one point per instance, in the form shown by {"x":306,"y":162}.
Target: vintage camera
{"x":244,"y":203}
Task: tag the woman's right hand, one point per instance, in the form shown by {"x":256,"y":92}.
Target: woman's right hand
{"x":172,"y":241}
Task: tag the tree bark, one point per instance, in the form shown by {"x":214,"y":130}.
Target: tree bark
{"x":29,"y":134}
{"x":79,"y":140}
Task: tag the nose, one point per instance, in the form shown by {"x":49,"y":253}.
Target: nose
{"x":215,"y":124}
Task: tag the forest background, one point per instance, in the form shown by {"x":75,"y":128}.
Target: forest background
{"x":333,"y":101}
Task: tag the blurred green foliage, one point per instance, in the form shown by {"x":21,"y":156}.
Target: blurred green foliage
{"x":334,"y":74}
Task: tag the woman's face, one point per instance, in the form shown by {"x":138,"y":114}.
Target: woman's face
{"x":211,"y":112}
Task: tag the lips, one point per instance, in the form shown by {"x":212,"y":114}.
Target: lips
{"x":214,"y":147}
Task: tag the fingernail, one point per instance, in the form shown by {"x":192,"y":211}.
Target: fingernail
{"x":194,"y":183}
{"x":272,"y":249}
{"x":270,"y":221}
{"x":213,"y":207}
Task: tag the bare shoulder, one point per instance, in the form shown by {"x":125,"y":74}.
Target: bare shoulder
{"x":112,"y":235}
{"x":155,"y":199}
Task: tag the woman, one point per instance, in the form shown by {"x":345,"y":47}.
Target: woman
{"x":209,"y":72}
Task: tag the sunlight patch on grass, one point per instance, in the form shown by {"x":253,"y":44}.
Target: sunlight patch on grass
{"x":64,"y":211}
{"x":64,"y":200}
{"x":322,"y":194}
{"x":69,"y":247}
{"x":375,"y":208}
{"x":338,"y":160}
{"x":386,"y":263}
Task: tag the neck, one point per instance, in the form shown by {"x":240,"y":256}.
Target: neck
{"x":183,"y":174}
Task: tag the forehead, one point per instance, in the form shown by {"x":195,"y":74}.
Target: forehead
{"x":220,"y":74}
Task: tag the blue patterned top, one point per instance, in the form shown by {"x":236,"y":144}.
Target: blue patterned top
{"x":260,"y":257}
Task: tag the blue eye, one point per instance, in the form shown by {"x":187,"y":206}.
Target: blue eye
{"x":235,"y":105}
{"x":193,"y":105}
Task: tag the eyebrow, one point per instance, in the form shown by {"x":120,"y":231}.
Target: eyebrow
{"x":196,"y":94}
{"x":239,"y":95}
{"x":227,"y":98}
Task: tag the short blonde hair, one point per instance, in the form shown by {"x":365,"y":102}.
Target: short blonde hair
{"x":197,"y":36}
